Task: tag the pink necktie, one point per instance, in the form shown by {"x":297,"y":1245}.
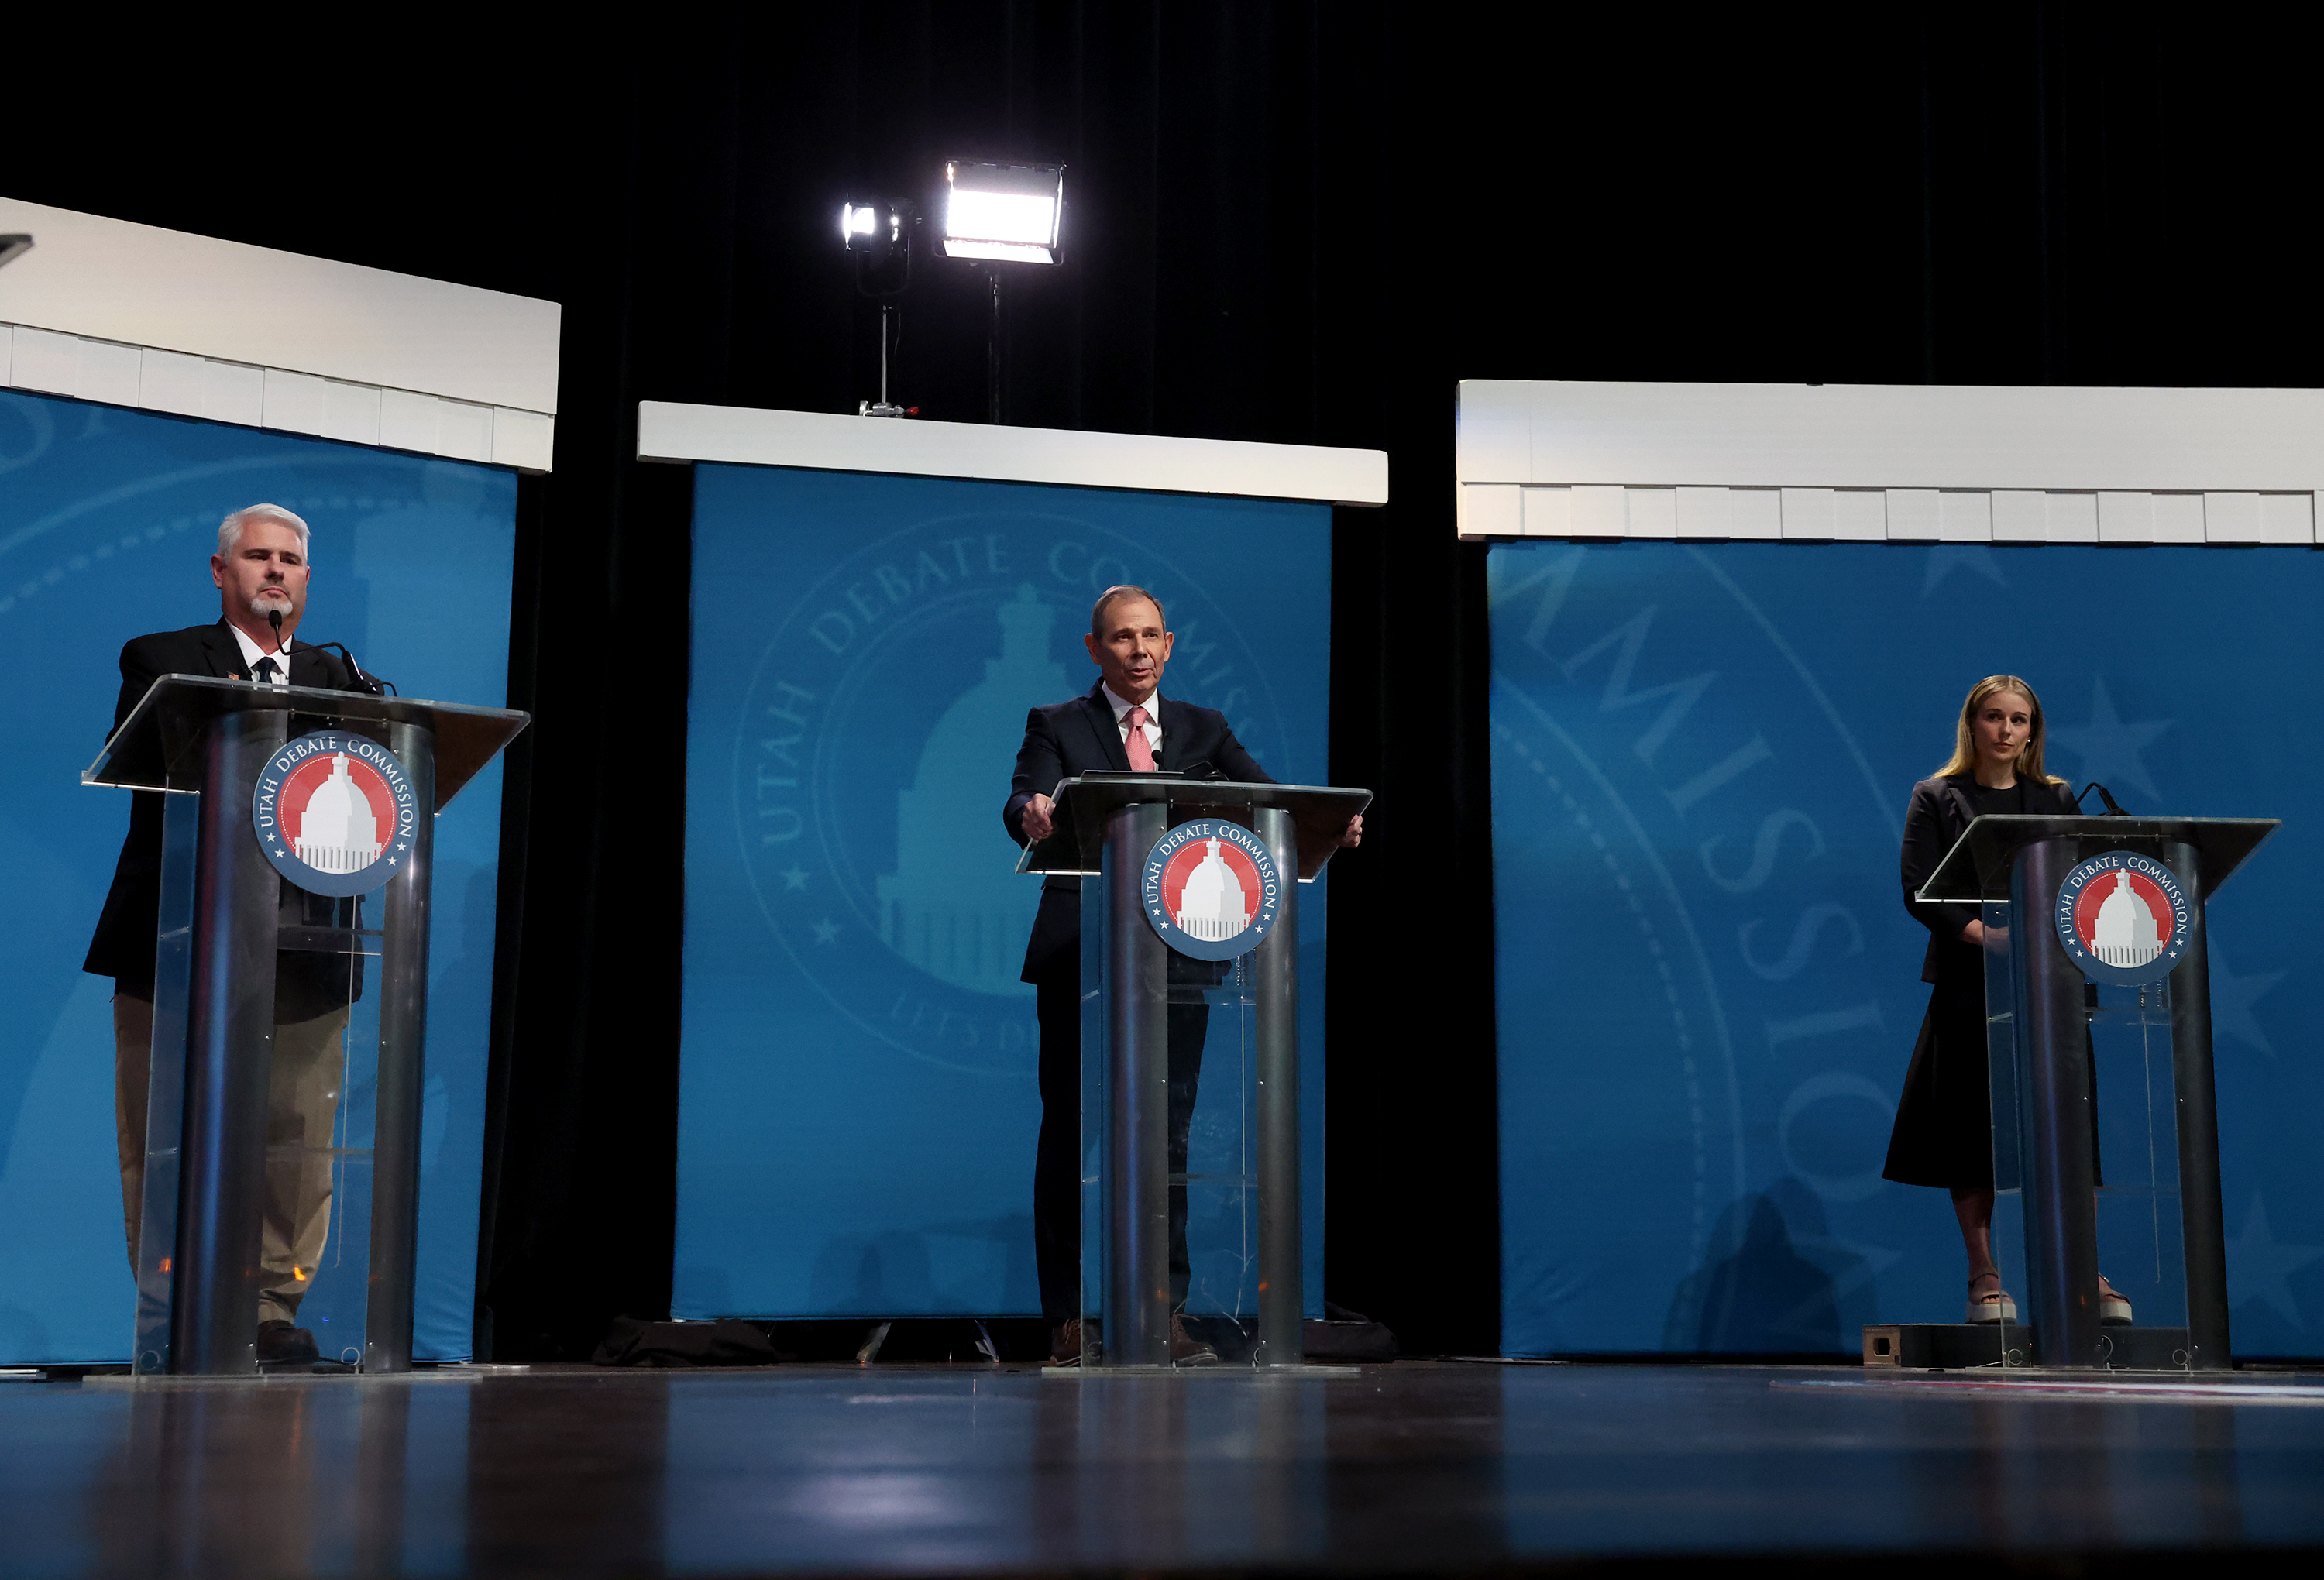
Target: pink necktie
{"x":1141,"y":756}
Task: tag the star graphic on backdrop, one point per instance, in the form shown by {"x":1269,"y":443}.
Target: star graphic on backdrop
{"x":827,"y":930}
{"x":2231,"y":997}
{"x":1946,"y":558}
{"x":2108,"y":747}
{"x":2259,"y":1267}
{"x":795,"y":877}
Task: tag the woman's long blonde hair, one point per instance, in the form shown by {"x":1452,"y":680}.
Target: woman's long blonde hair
{"x":2029,"y":757}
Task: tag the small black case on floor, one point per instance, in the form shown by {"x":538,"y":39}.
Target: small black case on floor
{"x":630,"y":1342}
{"x":1348,"y":1336}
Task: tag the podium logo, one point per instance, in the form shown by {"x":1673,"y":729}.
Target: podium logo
{"x":1211,"y":889}
{"x":2122,"y":918}
{"x":334,"y":812}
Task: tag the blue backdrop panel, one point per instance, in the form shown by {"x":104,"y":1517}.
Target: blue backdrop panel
{"x":858,"y":1104}
{"x":108,"y":521}
{"x":1708,"y":982}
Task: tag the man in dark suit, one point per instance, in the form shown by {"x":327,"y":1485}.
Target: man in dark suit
{"x":260,"y":571}
{"x":1124,"y":724}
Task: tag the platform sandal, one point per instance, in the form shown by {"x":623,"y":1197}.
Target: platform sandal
{"x":2113,"y":1311}
{"x":1995,"y":1305}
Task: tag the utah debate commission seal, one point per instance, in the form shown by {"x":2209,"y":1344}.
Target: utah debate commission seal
{"x":2122,"y":918}
{"x":1210,"y":889}
{"x":334,"y":812}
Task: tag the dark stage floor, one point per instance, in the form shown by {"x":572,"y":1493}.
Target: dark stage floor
{"x":908,"y":1469}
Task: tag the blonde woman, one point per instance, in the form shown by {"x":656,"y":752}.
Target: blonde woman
{"x":1944,"y":1136}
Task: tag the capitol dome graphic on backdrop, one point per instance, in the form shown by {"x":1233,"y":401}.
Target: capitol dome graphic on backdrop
{"x":338,"y":831}
{"x":954,"y":905}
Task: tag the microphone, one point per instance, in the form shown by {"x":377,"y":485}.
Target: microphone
{"x":368,"y":683}
{"x":1203,"y":768}
{"x":2112,"y":810}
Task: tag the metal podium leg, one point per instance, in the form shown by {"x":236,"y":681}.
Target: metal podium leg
{"x":1275,"y":968}
{"x":403,"y":1072}
{"x":1137,"y":1116}
{"x":2202,"y":1222}
{"x":2062,"y":1228}
{"x":156,"y":1243}
{"x":229,"y":1054}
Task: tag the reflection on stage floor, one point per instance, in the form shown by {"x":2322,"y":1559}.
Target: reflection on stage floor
{"x":944,"y":1469}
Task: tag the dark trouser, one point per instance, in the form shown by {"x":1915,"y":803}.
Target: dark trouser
{"x":1056,"y":1164}
{"x":302,"y":1098}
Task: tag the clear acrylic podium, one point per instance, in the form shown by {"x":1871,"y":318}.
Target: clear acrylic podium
{"x":1242,"y":1180}
{"x":228,"y":924}
{"x":2098,"y":1082}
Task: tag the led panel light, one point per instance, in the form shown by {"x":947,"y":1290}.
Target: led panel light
{"x":1007,"y":213}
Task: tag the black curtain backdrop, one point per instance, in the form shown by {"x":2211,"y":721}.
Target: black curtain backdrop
{"x":1290,"y":222}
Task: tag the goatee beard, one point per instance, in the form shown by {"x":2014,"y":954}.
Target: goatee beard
{"x":263,"y":606}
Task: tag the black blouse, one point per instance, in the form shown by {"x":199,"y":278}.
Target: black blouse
{"x":1940,"y":810}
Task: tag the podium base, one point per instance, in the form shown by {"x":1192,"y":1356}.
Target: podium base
{"x":1950,"y":1345}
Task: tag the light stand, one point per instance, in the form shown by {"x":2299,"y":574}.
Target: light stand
{"x":890,"y":321}
{"x":992,"y":352}
{"x":999,"y":214}
{"x":879,"y":238}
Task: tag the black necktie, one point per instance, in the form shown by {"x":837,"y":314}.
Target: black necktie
{"x":264,"y":670}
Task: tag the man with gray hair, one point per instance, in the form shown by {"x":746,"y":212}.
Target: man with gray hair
{"x":260,"y":572}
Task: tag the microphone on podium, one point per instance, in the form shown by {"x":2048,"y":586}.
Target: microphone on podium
{"x":369,"y":685}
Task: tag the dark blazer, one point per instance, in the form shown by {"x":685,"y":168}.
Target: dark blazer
{"x":123,"y":948}
{"x":1941,"y":811}
{"x":1067,"y":738}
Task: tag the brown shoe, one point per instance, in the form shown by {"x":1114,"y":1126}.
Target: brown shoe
{"x":1066,"y":1343}
{"x":1186,"y":1349}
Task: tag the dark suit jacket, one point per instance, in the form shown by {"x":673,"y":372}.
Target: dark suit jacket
{"x":1940,"y":813}
{"x":123,"y":948}
{"x":1077,"y":737}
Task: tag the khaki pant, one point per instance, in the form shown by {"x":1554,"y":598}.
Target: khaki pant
{"x":302,"y":1098}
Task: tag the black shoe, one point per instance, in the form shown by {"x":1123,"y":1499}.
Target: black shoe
{"x":1186,"y":1349}
{"x":282,"y":1344}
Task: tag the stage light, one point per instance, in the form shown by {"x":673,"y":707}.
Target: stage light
{"x":1002,"y":212}
{"x":879,"y":237}
{"x":877,"y":231}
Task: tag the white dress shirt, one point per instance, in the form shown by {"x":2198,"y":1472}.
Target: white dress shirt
{"x":252,"y":653}
{"x":1153,"y":706}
